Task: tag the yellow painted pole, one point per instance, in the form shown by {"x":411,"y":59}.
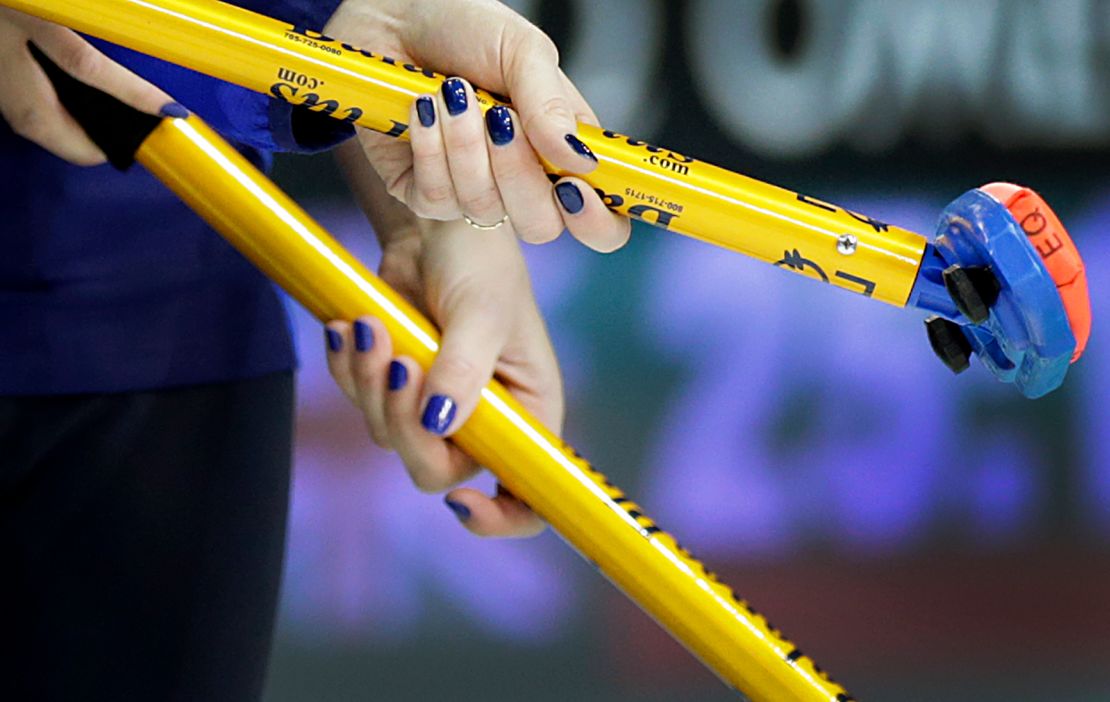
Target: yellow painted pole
{"x":576,"y":500}
{"x":663,"y":187}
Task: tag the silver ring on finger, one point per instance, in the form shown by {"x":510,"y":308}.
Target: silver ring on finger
{"x":485,"y":227}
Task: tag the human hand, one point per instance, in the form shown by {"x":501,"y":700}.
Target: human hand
{"x":475,"y":286}
{"x":457,"y":164}
{"x":28,"y":101}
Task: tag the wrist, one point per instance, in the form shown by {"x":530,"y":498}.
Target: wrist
{"x":354,"y":18}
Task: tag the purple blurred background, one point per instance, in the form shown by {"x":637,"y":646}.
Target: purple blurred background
{"x":783,"y":430}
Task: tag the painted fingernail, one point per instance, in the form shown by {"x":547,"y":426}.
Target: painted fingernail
{"x":426,"y":111}
{"x":439,"y":414}
{"x":175,"y":110}
{"x":364,"y":337}
{"x":499,"y":122}
{"x":461,"y":511}
{"x":579,"y":148}
{"x":454,"y":94}
{"x":398,"y":375}
{"x":335,"y":340}
{"x":570,"y":197}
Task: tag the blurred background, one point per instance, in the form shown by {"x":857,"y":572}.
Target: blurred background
{"x":923,"y":537}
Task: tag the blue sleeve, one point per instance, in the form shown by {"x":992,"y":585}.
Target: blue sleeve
{"x":313,"y":14}
{"x":243,"y":116}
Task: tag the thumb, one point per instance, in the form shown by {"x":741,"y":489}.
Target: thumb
{"x":541,"y":97}
{"x":474,"y":334}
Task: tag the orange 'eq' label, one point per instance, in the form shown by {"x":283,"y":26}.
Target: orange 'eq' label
{"x":1056,"y":249}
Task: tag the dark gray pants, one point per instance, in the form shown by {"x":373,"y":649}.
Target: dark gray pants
{"x":141,"y":541}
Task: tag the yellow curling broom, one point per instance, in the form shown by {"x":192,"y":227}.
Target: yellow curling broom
{"x":1002,"y":279}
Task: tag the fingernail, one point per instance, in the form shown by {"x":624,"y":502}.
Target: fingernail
{"x":364,"y":337}
{"x":174,"y":110}
{"x":335,"y":340}
{"x":461,"y":511}
{"x":398,"y":375}
{"x":499,"y":122}
{"x":579,"y":148}
{"x":454,"y":94}
{"x":426,"y":111}
{"x":570,"y":197}
{"x":438,"y":414}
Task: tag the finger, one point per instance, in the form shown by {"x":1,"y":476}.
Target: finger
{"x":390,"y":158}
{"x":475,"y":328}
{"x":81,"y":60}
{"x":433,"y":463}
{"x":521,"y":180}
{"x":430,"y":190}
{"x":547,"y":111}
{"x":339,"y":343}
{"x":369,"y":368}
{"x":464,"y":137}
{"x":588,"y":219}
{"x":501,"y":516}
{"x":32,"y":109}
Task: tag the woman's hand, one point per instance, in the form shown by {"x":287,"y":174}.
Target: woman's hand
{"x":461,"y":164}
{"x":475,"y":287}
{"x":28,"y":101}
{"x":479,"y":295}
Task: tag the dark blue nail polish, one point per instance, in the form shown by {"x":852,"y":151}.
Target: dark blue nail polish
{"x":364,"y":337}
{"x":398,"y":375}
{"x":579,"y":148}
{"x":175,"y":110}
{"x":461,"y":511}
{"x":439,"y":414}
{"x":454,"y":94}
{"x":426,"y":111}
{"x":570,"y":197}
{"x":499,"y":122}
{"x":335,"y":340}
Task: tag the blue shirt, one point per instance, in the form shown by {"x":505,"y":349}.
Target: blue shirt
{"x":108,"y":283}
